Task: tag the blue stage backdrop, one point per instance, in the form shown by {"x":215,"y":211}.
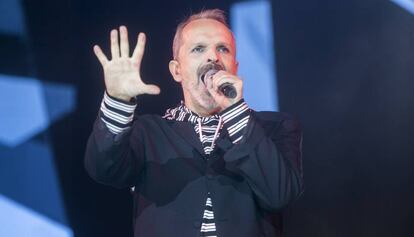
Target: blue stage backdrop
{"x":31,"y":201}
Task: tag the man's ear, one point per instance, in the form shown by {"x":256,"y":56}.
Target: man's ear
{"x":174,"y":67}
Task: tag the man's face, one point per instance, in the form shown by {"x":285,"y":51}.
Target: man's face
{"x":203,"y":42}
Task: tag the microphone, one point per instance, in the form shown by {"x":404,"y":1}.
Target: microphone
{"x":226,"y":88}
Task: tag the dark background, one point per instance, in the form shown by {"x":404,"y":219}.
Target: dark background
{"x":344,"y":68}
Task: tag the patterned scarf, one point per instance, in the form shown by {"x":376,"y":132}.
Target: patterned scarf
{"x":209,"y":126}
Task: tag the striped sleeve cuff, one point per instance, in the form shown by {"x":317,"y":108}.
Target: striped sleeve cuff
{"x":235,"y":119}
{"x":116,"y":114}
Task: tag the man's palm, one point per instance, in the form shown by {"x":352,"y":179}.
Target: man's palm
{"x":122,"y":72}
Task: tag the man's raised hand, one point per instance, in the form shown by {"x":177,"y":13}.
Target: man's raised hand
{"x":122,"y":72}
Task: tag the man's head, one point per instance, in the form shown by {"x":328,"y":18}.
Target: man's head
{"x":202,"y":41}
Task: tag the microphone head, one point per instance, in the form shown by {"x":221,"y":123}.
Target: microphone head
{"x":208,"y":74}
{"x":209,"y":70}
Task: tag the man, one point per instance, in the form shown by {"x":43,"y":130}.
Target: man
{"x":210,"y":166}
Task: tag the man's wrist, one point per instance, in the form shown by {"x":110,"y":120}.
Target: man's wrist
{"x":117,"y":114}
{"x":121,"y":98}
{"x":235,"y":119}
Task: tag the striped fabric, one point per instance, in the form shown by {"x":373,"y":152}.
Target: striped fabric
{"x":117,"y":116}
{"x":208,"y":227}
{"x":208,"y":125}
{"x":236,"y":117}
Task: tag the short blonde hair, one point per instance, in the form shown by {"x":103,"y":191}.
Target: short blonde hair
{"x":214,"y":14}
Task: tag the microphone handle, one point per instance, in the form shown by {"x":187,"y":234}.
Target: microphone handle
{"x":228,"y":90}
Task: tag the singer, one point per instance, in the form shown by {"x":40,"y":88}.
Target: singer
{"x":210,"y":166}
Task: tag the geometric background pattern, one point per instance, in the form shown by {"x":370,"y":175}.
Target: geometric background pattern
{"x":407,"y":4}
{"x":30,"y":194}
{"x":30,"y":106}
{"x":27,"y":170}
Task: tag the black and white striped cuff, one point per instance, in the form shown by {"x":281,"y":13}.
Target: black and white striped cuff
{"x":235,"y":119}
{"x":116,"y":114}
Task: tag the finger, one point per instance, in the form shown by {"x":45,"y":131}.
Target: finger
{"x":139,"y":49}
{"x":231,"y":79}
{"x":210,"y":87}
{"x":114,"y":44}
{"x":100,"y":55}
{"x":124,"y":41}
{"x":220,"y":79}
{"x":223,"y":74}
{"x":214,"y":93}
{"x":208,"y":82}
{"x":152,"y":89}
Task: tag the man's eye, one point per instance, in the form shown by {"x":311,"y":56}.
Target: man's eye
{"x":223,"y":49}
{"x":197,"y":49}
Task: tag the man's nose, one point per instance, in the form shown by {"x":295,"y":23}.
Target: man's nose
{"x":213,"y":56}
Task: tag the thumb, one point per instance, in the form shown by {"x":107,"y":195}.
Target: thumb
{"x":152,"y":89}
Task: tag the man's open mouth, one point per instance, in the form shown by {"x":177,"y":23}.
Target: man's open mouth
{"x":208,"y":70}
